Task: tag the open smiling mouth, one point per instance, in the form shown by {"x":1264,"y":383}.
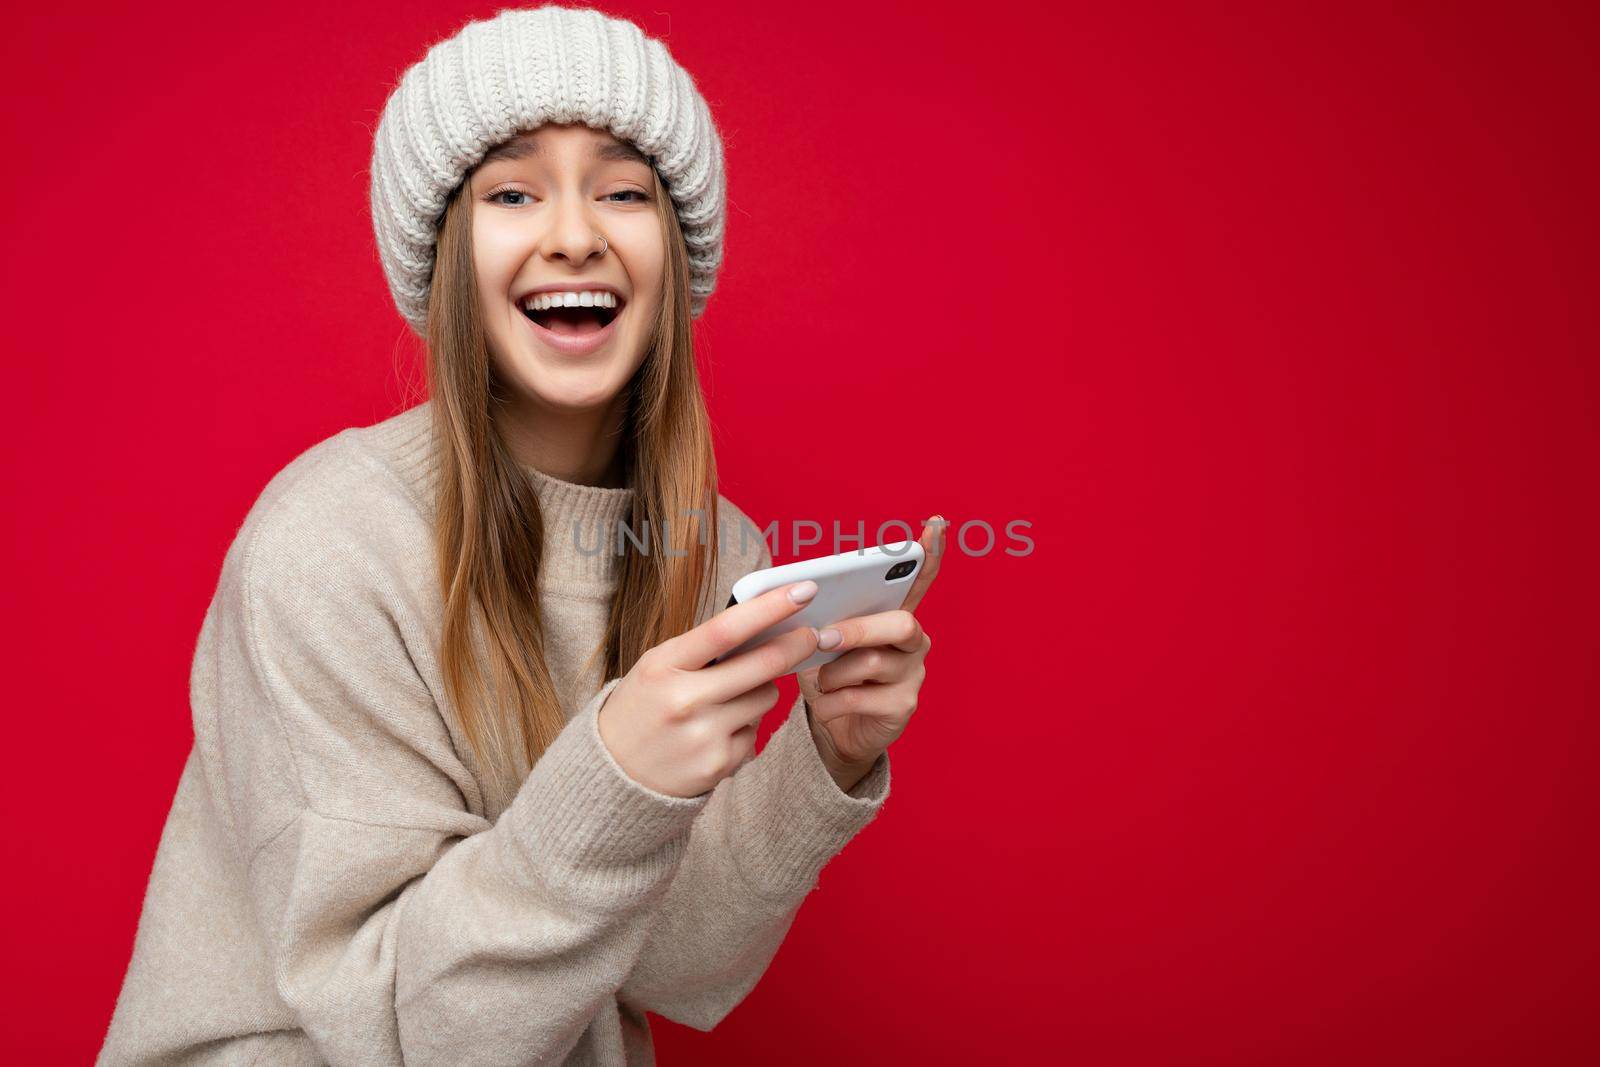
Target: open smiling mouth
{"x":573,"y":321}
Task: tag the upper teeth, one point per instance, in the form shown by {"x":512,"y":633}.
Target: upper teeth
{"x":596,"y":298}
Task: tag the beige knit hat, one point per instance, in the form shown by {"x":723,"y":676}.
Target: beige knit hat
{"x":520,"y":69}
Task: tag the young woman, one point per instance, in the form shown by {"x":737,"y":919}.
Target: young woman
{"x":463,"y":789}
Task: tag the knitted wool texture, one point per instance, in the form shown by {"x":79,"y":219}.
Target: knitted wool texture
{"x":519,"y":70}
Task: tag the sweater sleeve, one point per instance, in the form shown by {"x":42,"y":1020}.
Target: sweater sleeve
{"x":400,"y":925}
{"x":754,"y":854}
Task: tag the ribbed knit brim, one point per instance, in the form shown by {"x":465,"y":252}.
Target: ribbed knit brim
{"x":519,"y":70}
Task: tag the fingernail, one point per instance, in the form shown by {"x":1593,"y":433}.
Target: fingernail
{"x":828,"y":638}
{"x":803,"y":592}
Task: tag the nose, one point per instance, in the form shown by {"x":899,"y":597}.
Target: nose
{"x":572,"y":235}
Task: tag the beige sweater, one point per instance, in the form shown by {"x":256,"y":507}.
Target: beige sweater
{"x":336,"y":882}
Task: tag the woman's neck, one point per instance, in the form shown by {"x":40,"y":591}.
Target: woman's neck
{"x":581,"y":447}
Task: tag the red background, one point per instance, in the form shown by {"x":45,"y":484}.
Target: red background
{"x":1279,"y":328}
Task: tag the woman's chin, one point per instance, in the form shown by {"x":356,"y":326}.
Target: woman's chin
{"x":569,"y":389}
{"x":551,"y":381}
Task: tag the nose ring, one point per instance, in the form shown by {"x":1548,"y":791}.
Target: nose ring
{"x":605,"y":246}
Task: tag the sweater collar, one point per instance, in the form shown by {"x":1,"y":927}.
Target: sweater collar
{"x":580,"y":531}
{"x":580,"y":521}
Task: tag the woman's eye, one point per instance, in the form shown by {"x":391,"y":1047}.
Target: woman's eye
{"x":494,"y":197}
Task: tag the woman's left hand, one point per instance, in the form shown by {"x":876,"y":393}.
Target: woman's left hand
{"x":862,"y":701}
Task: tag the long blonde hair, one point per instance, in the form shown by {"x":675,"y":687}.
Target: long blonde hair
{"x":488,"y":529}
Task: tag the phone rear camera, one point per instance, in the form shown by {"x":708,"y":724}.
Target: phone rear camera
{"x":904,"y":567}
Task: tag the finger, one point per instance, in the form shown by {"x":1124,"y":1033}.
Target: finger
{"x":895,"y":629}
{"x":870,"y":664}
{"x":746,"y":710}
{"x":768,"y":661}
{"x":932,"y":541}
{"x":807,"y":680}
{"x":731,"y":627}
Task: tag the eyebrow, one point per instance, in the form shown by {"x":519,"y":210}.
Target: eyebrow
{"x":606,"y":151}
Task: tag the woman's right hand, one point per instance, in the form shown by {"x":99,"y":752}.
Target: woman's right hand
{"x":678,"y":726}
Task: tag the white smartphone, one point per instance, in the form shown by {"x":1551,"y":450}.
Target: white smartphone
{"x":859,"y":582}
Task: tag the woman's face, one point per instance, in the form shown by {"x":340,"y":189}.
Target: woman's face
{"x":541,"y":204}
